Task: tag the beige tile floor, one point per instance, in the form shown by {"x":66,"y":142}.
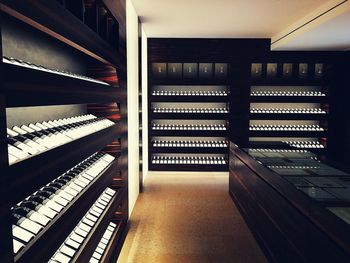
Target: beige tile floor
{"x":185,"y":218}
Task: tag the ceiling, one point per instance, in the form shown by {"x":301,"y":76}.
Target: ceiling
{"x":331,"y":35}
{"x":244,"y":19}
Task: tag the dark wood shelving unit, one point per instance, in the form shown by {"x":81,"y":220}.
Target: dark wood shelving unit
{"x":66,"y":220}
{"x":67,"y":24}
{"x":211,"y":74}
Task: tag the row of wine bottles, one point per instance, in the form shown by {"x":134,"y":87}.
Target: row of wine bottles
{"x":262,"y":127}
{"x":189,"y":93}
{"x":288,"y":93}
{"x":102,"y":245}
{"x":189,"y":127}
{"x":188,"y":143}
{"x":158,"y":159}
{"x":73,"y":242}
{"x":21,"y":63}
{"x":32,"y":139}
{"x":190,"y":110}
{"x":35,"y":212}
{"x":305,"y":144}
{"x":292,"y":111}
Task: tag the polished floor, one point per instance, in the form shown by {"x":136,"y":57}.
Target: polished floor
{"x":185,"y":218}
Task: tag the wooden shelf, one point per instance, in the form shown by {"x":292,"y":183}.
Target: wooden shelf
{"x":54,"y":20}
{"x":189,"y":167}
{"x":65,"y":221}
{"x":195,"y":133}
{"x":113,"y":248}
{"x":287,"y":133}
{"x":191,"y":116}
{"x":222,"y":150}
{"x":281,"y":145}
{"x":91,"y":241}
{"x":25,"y":177}
{"x":35,"y":87}
{"x":287,"y":116}
{"x":290,"y":99}
{"x":189,"y":98}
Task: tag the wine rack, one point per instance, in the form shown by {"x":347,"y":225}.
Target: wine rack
{"x":188,"y":116}
{"x":289,"y":105}
{"x":60,"y":171}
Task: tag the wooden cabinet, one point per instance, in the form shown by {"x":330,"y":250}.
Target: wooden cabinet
{"x":65,"y":24}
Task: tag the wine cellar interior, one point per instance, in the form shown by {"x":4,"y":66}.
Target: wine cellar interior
{"x":97,"y":104}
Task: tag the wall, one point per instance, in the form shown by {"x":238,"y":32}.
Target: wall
{"x":132,"y":91}
{"x":144,"y":105}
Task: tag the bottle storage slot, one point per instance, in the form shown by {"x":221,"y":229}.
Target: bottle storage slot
{"x":32,"y":139}
{"x":21,"y":63}
{"x":173,"y":144}
{"x":85,"y":229}
{"x":104,"y":242}
{"x":160,"y":159}
{"x":190,"y":110}
{"x":289,"y":94}
{"x":190,"y":127}
{"x":291,"y":111}
{"x":262,"y":127}
{"x":189,"y":93}
{"x":305,"y":144}
{"x":189,"y":143}
{"x":38,"y":211}
{"x":279,"y":108}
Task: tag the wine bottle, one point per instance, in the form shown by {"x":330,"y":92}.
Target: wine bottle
{"x":31,"y":136}
{"x":31,"y":204}
{"x":31,"y":215}
{"x":19,"y":144}
{"x":46,"y":202}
